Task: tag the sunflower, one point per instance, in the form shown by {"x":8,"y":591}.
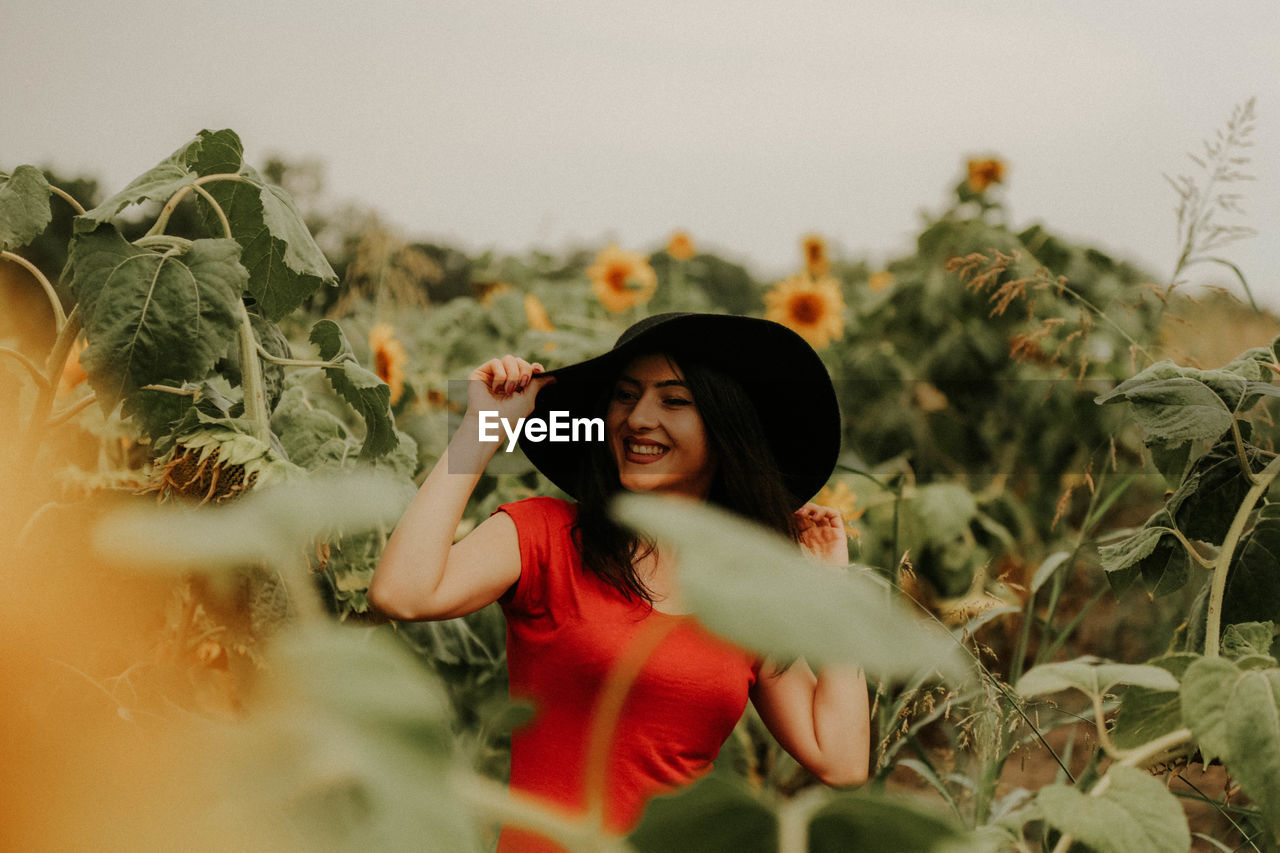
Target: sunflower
{"x":389,"y":358}
{"x":491,"y":290}
{"x":815,"y":255}
{"x":843,"y":500}
{"x":811,"y":307}
{"x":621,"y":279}
{"x":984,"y":173}
{"x":72,"y":371}
{"x":680,"y":246}
{"x":536,"y":315}
{"x":881,"y":280}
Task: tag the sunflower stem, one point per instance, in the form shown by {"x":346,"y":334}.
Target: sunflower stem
{"x":255,"y":398}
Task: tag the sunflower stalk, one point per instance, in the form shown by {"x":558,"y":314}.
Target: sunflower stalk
{"x":255,"y":397}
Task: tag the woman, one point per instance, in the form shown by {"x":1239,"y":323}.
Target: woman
{"x":733,"y":410}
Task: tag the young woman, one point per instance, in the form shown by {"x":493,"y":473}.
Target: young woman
{"x":733,"y":410}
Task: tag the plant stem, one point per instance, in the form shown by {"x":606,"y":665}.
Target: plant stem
{"x":31,"y":366}
{"x":608,"y":710}
{"x":1222,"y":565}
{"x":170,"y":240}
{"x":794,"y":817}
{"x":71,"y":411}
{"x":295,"y":362}
{"x":1192,"y":552}
{"x":69,"y":198}
{"x":515,"y":809}
{"x":162,"y":221}
{"x":255,"y":398}
{"x":217,"y":208}
{"x":44,"y":397}
{"x":1241,"y":455}
{"x":59,"y":316}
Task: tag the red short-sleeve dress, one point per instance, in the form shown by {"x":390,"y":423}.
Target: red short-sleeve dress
{"x":566,"y":630}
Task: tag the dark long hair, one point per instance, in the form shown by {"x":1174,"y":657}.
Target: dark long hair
{"x":747,"y":479}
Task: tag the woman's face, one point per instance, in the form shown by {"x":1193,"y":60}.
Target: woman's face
{"x":656,"y":435}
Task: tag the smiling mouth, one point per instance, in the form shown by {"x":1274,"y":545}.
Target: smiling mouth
{"x":643,"y":452}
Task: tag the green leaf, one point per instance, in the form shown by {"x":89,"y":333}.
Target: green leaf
{"x":1205,"y":504}
{"x":360,"y":388}
{"x":1152,"y":552}
{"x":1234,"y":714}
{"x":1177,"y":404}
{"x":24,"y":207}
{"x":173,"y":173}
{"x":1145,"y":714}
{"x":150,"y":317}
{"x":866,"y":821}
{"x":1171,"y":461}
{"x":755,"y":589}
{"x":269,"y":525}
{"x":285,"y":264}
{"x":1092,"y":677}
{"x":358,"y":761}
{"x":1252,"y":593}
{"x":159,"y":413}
{"x":1248,"y":638}
{"x":312,"y":437}
{"x":1048,"y":568}
{"x":715,"y":813}
{"x":1136,"y":814}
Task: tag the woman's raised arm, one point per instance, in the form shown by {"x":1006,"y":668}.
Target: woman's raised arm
{"x":822,"y":720}
{"x":423,"y":574}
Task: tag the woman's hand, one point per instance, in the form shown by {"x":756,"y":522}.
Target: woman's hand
{"x":822,"y":534}
{"x":507,"y":385}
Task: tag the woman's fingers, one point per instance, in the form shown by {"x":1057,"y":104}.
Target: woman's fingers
{"x":507,"y":375}
{"x":814,"y":515}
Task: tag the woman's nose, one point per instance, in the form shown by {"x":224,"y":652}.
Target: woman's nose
{"x":644,"y":414}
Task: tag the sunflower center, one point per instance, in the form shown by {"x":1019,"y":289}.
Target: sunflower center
{"x":806,"y":308}
{"x":616,"y":276}
{"x":382,"y":364}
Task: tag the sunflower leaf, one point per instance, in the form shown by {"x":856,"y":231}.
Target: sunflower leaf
{"x":361,"y":388}
{"x":24,"y":207}
{"x":152,"y":318}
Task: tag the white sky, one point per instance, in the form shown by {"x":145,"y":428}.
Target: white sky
{"x":514,"y":124}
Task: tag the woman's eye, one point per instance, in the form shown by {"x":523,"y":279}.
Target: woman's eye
{"x":623,"y":394}
{"x":678,"y":401}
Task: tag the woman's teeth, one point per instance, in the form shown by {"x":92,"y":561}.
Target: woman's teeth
{"x":646,"y":449}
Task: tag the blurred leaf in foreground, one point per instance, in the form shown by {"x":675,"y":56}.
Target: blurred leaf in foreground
{"x":271,"y":525}
{"x":757,"y":590}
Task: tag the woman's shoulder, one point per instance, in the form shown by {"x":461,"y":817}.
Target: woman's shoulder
{"x":543,"y":508}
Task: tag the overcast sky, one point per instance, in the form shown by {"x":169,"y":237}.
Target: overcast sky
{"x":517,"y":124}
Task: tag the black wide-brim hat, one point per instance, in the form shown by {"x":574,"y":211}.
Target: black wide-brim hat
{"x":782,"y":375}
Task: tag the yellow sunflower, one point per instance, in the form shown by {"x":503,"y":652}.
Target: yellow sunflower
{"x":72,"y":371}
{"x":984,"y":173}
{"x":881,"y":280}
{"x":389,"y":358}
{"x":680,"y":246}
{"x":811,"y":307}
{"x":843,"y":500}
{"x":621,"y":279}
{"x":816,"y":261}
{"x":536,"y":315}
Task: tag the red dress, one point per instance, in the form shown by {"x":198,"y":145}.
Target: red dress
{"x":566,"y":630}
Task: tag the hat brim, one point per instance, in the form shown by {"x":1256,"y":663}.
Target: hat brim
{"x":781,"y":374}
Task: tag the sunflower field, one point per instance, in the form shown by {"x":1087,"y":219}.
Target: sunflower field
{"x":216,"y":403}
